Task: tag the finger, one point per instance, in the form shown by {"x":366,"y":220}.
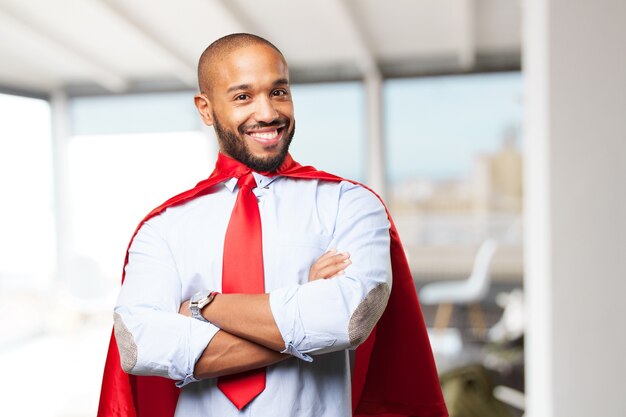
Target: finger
{"x":333,"y":274}
{"x":327,"y":255}
{"x":337,"y":261}
{"x":331,"y":259}
{"x":327,"y":260}
{"x":334,"y":269}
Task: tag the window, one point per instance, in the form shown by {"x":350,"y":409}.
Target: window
{"x":455,"y":168}
{"x":27,"y":247}
{"x":330,"y":128}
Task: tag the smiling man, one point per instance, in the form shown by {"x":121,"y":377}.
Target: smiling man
{"x":271,"y":288}
{"x":250,"y":93}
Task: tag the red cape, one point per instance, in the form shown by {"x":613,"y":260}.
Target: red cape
{"x":394,"y":373}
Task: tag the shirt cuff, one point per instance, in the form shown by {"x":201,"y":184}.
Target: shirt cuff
{"x":188,"y":380}
{"x":284,"y":307}
{"x":291,"y":349}
{"x":201,"y":333}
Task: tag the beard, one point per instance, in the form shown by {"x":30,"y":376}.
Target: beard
{"x":236,"y":147}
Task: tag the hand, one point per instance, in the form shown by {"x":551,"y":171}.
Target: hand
{"x":184,"y":309}
{"x":329,"y":265}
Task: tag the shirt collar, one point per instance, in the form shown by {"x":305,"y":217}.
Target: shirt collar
{"x":261,"y":181}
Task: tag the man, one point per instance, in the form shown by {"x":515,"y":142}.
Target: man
{"x":233,"y":290}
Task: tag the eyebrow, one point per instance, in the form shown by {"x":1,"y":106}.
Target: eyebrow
{"x":281,"y":81}
{"x":238,"y":87}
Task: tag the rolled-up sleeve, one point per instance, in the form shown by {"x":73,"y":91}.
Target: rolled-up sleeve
{"x":339,"y":313}
{"x":153,"y":339}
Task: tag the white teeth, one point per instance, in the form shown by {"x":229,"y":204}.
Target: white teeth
{"x":265,"y":135}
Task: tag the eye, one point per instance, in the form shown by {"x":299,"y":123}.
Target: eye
{"x":242,"y":97}
{"x":279,"y":93}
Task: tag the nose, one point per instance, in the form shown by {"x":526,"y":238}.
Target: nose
{"x":265,"y":110}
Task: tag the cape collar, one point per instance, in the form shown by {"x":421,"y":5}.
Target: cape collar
{"x":227,"y":167}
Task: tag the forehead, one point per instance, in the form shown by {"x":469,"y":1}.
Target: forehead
{"x":255,"y":65}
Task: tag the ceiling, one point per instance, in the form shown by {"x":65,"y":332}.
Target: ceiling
{"x":118,"y":46}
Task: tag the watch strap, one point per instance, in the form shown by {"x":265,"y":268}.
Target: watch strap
{"x":199,"y":301}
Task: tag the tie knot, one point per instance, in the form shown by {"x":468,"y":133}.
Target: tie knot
{"x":247,"y":180}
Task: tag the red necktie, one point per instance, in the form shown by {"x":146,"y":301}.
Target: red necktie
{"x":242,"y":273}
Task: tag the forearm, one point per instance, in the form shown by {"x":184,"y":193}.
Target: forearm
{"x":228,"y":354}
{"x":247,"y":316}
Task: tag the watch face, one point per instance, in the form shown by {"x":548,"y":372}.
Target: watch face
{"x":198,"y":301}
{"x":197,"y":297}
{"x":205,"y":301}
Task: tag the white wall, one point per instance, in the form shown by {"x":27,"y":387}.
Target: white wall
{"x":575,"y":69}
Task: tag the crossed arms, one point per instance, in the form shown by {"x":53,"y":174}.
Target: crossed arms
{"x":249,"y":337}
{"x":330,"y":312}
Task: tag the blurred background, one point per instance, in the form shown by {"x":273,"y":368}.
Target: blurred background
{"x":493,"y":128}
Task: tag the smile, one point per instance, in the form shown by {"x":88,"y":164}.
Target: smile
{"x":267,"y":136}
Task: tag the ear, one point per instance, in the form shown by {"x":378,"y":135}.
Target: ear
{"x":203,"y":104}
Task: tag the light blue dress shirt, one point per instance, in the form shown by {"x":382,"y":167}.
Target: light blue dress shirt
{"x":179,"y":253}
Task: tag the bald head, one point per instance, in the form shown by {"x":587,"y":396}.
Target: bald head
{"x":218,"y":50}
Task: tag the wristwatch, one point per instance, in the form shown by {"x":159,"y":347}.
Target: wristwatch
{"x":200,"y":300}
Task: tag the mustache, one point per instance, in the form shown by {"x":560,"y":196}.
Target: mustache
{"x":278,"y":122}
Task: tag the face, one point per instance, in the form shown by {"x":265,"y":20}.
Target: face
{"x":250,"y":107}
